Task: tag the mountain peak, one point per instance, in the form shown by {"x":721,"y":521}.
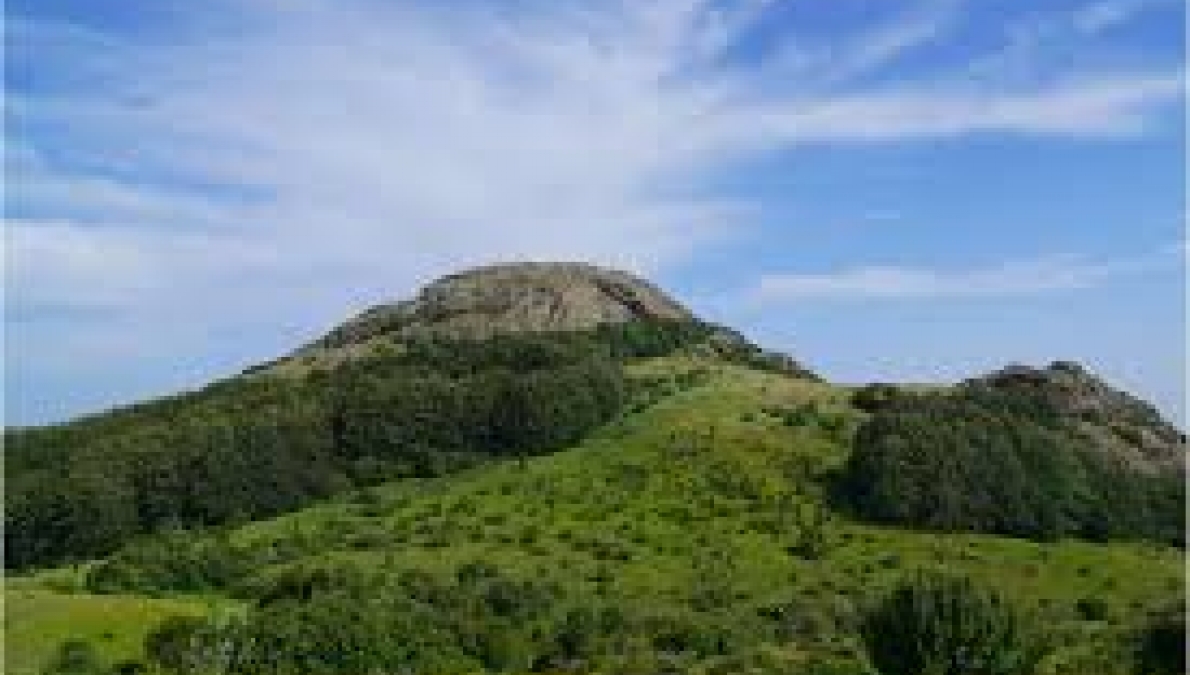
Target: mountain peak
{"x":519,"y":297}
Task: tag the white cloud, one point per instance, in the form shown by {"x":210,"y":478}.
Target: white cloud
{"x":1098,"y":17}
{"x":1014,"y":278}
{"x":888,"y":42}
{"x":1101,"y":107}
{"x":1085,"y":34}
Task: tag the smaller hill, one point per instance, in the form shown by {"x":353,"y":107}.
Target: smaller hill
{"x":1116,"y":423}
{"x":1040,"y":453}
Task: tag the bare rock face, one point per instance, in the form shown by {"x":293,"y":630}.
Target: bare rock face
{"x":512,"y":298}
{"x":1111,"y":420}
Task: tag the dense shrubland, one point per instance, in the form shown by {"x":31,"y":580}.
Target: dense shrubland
{"x":980,"y":460}
{"x":476,"y":618}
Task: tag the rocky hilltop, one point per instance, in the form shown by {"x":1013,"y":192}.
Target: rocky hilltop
{"x":512,"y":298}
{"x":1110,"y":420}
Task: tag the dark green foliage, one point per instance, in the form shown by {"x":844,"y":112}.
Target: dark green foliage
{"x":873,"y":397}
{"x":232,"y":452}
{"x":129,"y":667}
{"x":419,"y":423}
{"x":1161,"y":648}
{"x":943,"y":625}
{"x":337,"y":621}
{"x":75,"y":657}
{"x":170,"y":561}
{"x":1091,"y":609}
{"x":983,"y":461}
{"x":174,"y":644}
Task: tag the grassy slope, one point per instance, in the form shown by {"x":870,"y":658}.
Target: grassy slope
{"x":37,"y":621}
{"x":656,"y":507}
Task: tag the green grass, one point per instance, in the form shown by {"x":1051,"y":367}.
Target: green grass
{"x":37,"y":621}
{"x":679,"y":499}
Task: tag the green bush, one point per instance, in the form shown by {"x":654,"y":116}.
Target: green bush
{"x":945,"y":625}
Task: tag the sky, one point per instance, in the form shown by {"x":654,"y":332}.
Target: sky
{"x":888,"y":191}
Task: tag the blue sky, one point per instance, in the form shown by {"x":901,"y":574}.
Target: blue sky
{"x":887,"y":190}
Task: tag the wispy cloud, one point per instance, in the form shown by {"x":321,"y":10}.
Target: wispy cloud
{"x":1014,"y":278}
{"x":1098,"y":17}
{"x":1098,"y":107}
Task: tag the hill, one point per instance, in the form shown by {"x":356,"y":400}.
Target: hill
{"x":645,"y":494}
{"x":1114,"y":422}
{"x":514,"y":359}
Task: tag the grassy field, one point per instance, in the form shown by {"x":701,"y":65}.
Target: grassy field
{"x":685,"y":500}
{"x":37,"y":621}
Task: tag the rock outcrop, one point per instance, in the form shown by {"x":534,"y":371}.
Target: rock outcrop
{"x":509,"y":299}
{"x":1111,"y":420}
{"x":512,"y":298}
{"x":517,"y":298}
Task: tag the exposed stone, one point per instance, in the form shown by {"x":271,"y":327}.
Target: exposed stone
{"x":512,"y":298}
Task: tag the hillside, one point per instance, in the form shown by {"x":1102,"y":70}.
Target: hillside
{"x":643,"y":494}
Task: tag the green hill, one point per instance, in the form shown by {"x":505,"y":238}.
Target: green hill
{"x":639,"y":494}
{"x":692,"y":518}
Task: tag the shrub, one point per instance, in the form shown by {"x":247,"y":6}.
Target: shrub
{"x":811,"y":541}
{"x":74,"y":657}
{"x":1091,"y":609}
{"x":873,"y":397}
{"x":944,"y":625}
{"x":170,"y":561}
{"x":1162,"y":644}
{"x":129,"y":667}
{"x":172,"y":644}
